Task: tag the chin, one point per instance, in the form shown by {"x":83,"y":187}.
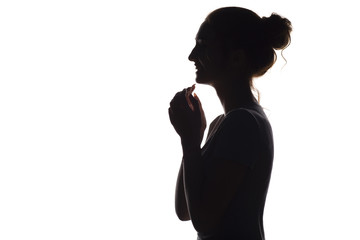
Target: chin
{"x":201,"y":79}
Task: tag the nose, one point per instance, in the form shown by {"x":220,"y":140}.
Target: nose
{"x":192,"y":55}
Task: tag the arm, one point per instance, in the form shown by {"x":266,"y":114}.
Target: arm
{"x":206,"y":198}
{"x":180,"y":201}
{"x":185,"y":129}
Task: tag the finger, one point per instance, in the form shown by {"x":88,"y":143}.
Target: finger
{"x":188,"y":101}
{"x":189,"y":92}
{"x":181,"y":93}
{"x":195,"y":102}
{"x":191,"y":89}
{"x":179,"y":99}
{"x":197,"y":99}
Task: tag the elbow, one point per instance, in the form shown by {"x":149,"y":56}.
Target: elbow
{"x":205,"y":224}
{"x":183,"y":218}
{"x":182,"y":214}
{"x":199,"y":226}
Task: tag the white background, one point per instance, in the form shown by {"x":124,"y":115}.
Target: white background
{"x":86,"y":147}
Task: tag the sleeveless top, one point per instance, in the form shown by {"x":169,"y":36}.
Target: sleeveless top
{"x":242,"y":135}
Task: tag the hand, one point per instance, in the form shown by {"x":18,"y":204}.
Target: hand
{"x":187,"y":116}
{"x":203,"y":119}
{"x":202,"y":114}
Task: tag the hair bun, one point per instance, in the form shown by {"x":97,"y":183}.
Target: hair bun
{"x":277,"y":31}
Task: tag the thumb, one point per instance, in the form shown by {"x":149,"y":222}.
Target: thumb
{"x":195,"y":101}
{"x":197,"y":98}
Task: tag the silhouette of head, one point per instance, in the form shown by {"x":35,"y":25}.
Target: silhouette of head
{"x":236,"y":40}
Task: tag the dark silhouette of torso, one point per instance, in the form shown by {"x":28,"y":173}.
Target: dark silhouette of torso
{"x":228,"y":137}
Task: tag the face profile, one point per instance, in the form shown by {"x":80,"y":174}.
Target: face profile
{"x":207,"y":56}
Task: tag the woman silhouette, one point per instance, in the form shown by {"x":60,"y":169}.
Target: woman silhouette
{"x":222,"y":186}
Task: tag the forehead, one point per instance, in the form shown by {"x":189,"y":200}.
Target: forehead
{"x":205,"y":32}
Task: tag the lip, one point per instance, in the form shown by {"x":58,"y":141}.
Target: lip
{"x":197,"y":67}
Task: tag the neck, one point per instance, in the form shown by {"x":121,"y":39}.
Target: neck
{"x":233,"y":96}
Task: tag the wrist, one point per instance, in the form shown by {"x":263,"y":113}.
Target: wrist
{"x":190,"y":146}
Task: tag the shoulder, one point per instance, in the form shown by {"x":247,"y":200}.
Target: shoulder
{"x":242,"y":118}
{"x":216,"y":120}
{"x":238,"y":138}
{"x":215,"y":123}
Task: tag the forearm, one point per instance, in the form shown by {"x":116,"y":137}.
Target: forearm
{"x":180,"y":201}
{"x":193,"y":177}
